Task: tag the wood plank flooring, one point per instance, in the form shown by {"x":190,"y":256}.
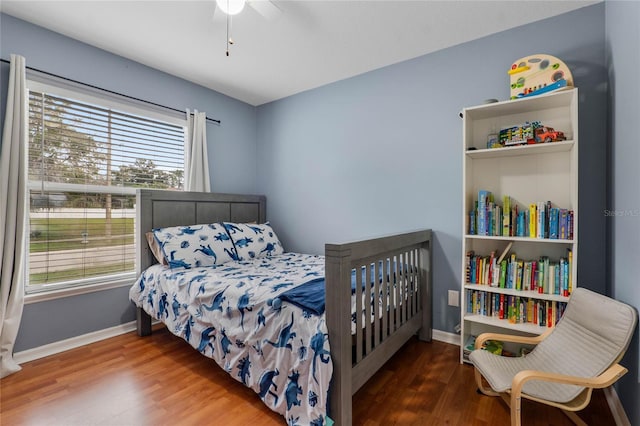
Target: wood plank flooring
{"x":161,"y":380}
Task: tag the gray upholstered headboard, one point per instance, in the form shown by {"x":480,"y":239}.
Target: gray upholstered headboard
{"x":158,"y":209}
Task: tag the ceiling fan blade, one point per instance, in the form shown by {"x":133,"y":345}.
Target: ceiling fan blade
{"x":266,"y":8}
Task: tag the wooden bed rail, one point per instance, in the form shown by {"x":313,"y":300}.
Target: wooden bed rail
{"x":403,"y":265}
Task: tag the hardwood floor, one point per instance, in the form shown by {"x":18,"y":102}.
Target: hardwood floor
{"x":158,"y":380}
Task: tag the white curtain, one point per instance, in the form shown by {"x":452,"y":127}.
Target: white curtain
{"x":13,"y":204}
{"x":196,"y":160}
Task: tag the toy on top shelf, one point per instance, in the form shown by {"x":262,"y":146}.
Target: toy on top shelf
{"x":518,"y":135}
{"x":548,"y":134}
{"x":537,"y":74}
{"x":527,"y":134}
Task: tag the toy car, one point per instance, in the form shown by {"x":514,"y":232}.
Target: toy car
{"x":518,"y":135}
{"x":548,"y":134}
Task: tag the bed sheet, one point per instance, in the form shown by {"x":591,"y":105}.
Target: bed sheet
{"x":232,"y":314}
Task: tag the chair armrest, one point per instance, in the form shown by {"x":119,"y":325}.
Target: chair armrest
{"x":534,"y":340}
{"x":606,"y":379}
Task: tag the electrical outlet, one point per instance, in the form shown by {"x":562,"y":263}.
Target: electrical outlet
{"x":454,"y":298}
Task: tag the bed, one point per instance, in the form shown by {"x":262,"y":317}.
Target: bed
{"x":337,"y":352}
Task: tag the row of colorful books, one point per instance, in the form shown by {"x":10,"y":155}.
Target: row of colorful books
{"x":539,"y":220}
{"x":543,"y":275}
{"x":515,"y":309}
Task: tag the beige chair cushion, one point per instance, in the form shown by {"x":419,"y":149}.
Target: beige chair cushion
{"x":592,"y":335}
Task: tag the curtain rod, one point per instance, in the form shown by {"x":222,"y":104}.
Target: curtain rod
{"x":107,"y":90}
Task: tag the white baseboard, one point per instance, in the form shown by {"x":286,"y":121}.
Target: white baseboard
{"x":72,"y":343}
{"x":446,"y":337}
{"x":96,"y":336}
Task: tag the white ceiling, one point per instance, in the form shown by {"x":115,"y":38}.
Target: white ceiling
{"x":311,"y":43}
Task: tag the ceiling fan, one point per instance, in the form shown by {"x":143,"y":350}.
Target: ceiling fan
{"x":229,"y":8}
{"x":266,"y":8}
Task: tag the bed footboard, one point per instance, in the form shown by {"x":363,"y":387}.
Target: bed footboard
{"x":402,"y":264}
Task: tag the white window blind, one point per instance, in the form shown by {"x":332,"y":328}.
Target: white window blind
{"x":85,"y":162}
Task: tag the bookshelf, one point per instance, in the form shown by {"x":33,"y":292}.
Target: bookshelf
{"x":542,"y":262}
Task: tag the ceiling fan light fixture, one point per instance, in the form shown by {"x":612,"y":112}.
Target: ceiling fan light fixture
{"x":231,"y":7}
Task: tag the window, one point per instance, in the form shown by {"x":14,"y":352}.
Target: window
{"x":85,"y":160}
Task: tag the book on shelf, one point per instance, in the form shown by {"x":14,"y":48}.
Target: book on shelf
{"x":490,"y":221}
{"x":570,"y":269}
{"x":514,"y":309}
{"x":505,"y":251}
{"x":473,"y":220}
{"x":506,"y":215}
{"x":570,"y":225}
{"x":541,"y":275}
{"x":540,"y":219}
{"x":563,"y":223}
{"x":533,"y":214}
{"x":526,"y":276}
{"x":483,"y":201}
{"x":553,"y":223}
{"x":470,"y":343}
{"x":503,"y":274}
{"x":522,"y":228}
{"x":492,"y":273}
{"x":547,"y":219}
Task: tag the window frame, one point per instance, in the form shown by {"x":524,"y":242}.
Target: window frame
{"x":40,"y":82}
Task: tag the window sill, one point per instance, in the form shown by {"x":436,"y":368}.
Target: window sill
{"x":43,"y":296}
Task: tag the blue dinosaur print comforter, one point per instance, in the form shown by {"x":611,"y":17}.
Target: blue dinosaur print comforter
{"x":233,"y":314}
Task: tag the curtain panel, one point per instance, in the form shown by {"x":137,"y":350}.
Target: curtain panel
{"x":196,"y":159}
{"x":13,"y":205}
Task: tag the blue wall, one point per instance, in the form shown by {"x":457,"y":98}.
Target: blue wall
{"x":234,"y":138}
{"x":623,"y":60}
{"x":381,"y":152}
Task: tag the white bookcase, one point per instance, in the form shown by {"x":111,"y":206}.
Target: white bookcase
{"x":528,"y":174}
